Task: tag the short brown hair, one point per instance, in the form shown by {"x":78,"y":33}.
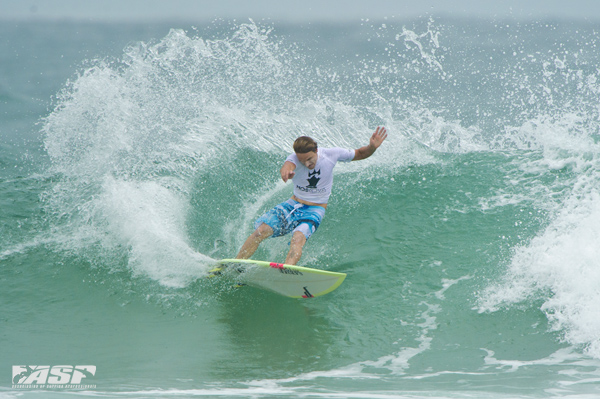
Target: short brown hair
{"x":304,"y":144}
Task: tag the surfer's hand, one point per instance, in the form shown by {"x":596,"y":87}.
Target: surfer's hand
{"x":290,"y":174}
{"x":287,"y":171}
{"x":374,"y":142}
{"x":378,"y":137}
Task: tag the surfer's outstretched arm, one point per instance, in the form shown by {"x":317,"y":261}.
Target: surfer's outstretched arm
{"x":374,"y":142}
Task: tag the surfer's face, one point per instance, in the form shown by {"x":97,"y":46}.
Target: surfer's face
{"x":309,"y":159}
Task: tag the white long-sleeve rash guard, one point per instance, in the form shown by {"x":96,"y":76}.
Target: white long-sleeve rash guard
{"x":314,"y":185}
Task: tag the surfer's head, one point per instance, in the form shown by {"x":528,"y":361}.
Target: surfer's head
{"x":304,"y":144}
{"x":306,"y":151}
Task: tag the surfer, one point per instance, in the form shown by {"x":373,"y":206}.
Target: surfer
{"x":311,"y":170}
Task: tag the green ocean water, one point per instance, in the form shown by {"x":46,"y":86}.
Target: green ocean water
{"x":134,"y":156}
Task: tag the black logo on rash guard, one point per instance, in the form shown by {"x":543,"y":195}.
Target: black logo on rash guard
{"x":313,"y":179}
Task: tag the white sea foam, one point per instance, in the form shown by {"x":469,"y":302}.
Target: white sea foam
{"x":150,"y":220}
{"x":561,"y":264}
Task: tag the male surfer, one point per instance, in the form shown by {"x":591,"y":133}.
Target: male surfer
{"x":311,"y":171}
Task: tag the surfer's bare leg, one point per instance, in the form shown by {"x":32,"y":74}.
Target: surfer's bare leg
{"x":296,"y":245}
{"x":251,"y":245}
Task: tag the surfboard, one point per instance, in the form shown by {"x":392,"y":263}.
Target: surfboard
{"x":287,"y":280}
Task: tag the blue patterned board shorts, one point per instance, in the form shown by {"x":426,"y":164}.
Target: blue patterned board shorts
{"x":291,"y":216}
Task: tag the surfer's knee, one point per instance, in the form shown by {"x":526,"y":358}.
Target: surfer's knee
{"x":298,"y":239}
{"x":263,"y":231}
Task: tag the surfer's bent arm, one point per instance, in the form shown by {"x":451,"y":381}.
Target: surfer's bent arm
{"x":287,"y":171}
{"x":376,"y":139}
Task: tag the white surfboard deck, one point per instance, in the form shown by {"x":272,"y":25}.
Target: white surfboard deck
{"x":287,"y":280}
